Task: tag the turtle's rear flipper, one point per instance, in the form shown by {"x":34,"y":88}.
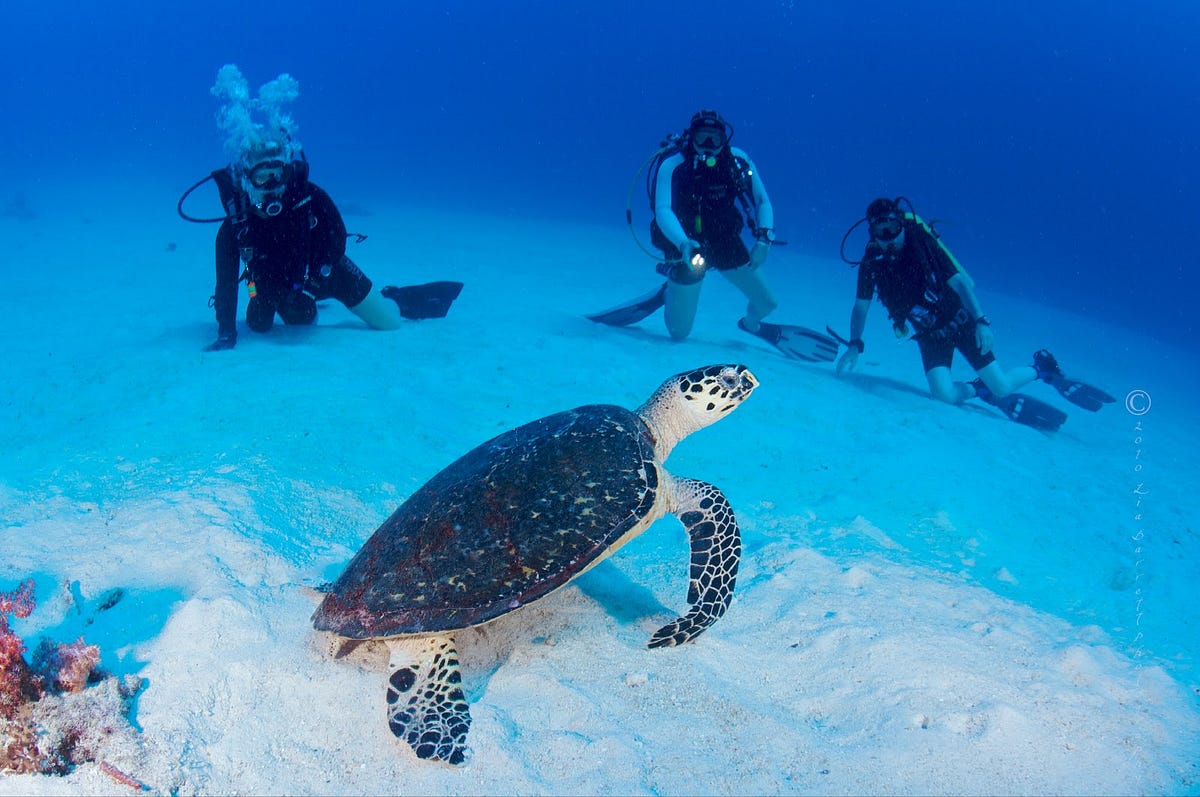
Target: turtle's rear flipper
{"x":425,"y":703}
{"x":716,"y":550}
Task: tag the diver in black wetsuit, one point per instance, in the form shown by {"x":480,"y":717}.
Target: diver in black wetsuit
{"x":922,"y":286}
{"x":286,"y":230}
{"x":292,"y":239}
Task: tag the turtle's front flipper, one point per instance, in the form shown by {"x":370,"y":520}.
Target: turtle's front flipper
{"x":425,"y":703}
{"x":716,"y":549}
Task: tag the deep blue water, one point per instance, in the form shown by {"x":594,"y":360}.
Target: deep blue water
{"x":1058,"y":142}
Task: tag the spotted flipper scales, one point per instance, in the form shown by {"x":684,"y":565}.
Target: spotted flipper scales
{"x":426,"y":707}
{"x":716,"y":549}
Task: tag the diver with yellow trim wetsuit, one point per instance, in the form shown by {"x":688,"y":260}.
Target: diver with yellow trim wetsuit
{"x":928,"y":294}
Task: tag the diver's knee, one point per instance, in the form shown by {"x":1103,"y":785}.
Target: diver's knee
{"x":944,"y":392}
{"x":298,"y":308}
{"x":946,"y":398}
{"x":679,"y":314}
{"x":679,"y":328}
{"x":260,"y":314}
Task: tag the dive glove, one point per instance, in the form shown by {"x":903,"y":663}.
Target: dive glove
{"x":225,"y":340}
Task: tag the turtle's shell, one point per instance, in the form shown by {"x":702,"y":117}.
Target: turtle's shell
{"x":502,"y":526}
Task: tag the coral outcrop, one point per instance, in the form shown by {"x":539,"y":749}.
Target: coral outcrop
{"x":17,"y":683}
{"x":62,"y":710}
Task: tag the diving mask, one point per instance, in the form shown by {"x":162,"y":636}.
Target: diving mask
{"x":269,"y":175}
{"x":709,"y":141}
{"x":265,"y":183}
{"x":886,"y":229}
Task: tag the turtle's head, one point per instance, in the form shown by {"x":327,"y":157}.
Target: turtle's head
{"x":694,"y":399}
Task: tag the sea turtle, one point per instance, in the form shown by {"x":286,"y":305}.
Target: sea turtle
{"x":520,"y":516}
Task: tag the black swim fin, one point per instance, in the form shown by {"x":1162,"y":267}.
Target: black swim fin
{"x":800,"y":343}
{"x":1079,"y":393}
{"x":632,"y":311}
{"x":1031,"y":412}
{"x":431,"y":300}
{"x":1024,"y":409}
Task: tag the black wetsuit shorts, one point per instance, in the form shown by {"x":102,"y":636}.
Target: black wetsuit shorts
{"x":344,"y":282}
{"x":938,"y":345}
{"x":723,"y":249}
{"x":726,"y":252}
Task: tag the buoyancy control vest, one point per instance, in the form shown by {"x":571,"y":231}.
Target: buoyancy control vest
{"x":913,"y":284}
{"x":706,"y":199}
{"x":274,"y":249}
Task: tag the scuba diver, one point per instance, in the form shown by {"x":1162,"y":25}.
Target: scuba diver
{"x":287,"y":230}
{"x":922,"y":285}
{"x":704,"y":192}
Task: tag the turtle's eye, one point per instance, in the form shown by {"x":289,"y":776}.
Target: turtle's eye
{"x":730,"y":379}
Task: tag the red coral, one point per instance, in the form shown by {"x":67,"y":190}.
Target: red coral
{"x":19,"y":602}
{"x":66,"y":667}
{"x":19,"y":751}
{"x":48,"y":722}
{"x":17,"y":682}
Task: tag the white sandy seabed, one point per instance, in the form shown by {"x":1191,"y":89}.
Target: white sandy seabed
{"x":932,"y":600}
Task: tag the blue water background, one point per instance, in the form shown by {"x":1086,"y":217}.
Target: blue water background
{"x":1058,"y":142}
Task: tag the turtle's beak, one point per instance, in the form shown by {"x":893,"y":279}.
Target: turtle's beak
{"x":749,"y":381}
